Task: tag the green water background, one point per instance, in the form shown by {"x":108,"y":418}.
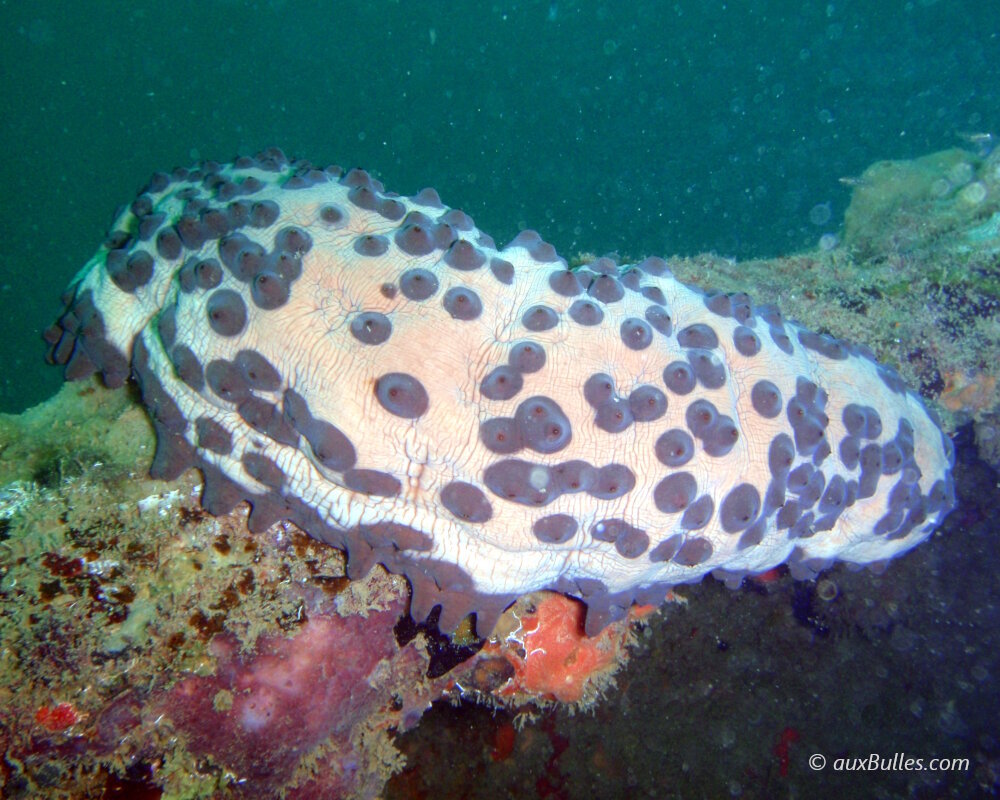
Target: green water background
{"x":630,"y":127}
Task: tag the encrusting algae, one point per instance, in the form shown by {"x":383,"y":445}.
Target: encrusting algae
{"x":166,"y":646}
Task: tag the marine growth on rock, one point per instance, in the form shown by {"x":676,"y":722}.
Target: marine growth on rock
{"x":487,"y":421}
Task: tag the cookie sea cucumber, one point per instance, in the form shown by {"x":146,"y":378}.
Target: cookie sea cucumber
{"x":488,"y":422}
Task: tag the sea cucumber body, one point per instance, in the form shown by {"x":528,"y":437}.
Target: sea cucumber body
{"x":486,"y":421}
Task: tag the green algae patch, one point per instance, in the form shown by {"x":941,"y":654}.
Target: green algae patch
{"x":900,"y":206}
{"x":82,"y":427}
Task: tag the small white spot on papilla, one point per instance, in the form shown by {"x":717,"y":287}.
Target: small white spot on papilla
{"x":539,"y":478}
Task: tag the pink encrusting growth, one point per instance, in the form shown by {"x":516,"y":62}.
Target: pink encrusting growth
{"x":261,"y":714}
{"x":486,"y":421}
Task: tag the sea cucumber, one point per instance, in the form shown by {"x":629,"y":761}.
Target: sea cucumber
{"x":489,"y":422}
